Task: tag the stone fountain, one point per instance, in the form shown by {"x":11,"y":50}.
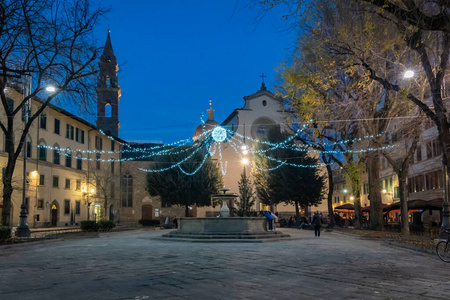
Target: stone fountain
{"x":224,"y":228}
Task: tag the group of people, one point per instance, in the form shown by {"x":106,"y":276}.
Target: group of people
{"x":270,"y":216}
{"x":316,"y":221}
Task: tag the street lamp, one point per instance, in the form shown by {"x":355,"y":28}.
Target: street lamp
{"x":23,"y":230}
{"x":50,"y":88}
{"x":408,"y":74}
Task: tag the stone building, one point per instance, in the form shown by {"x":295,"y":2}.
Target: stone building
{"x":73,"y":170}
{"x":136,"y":202}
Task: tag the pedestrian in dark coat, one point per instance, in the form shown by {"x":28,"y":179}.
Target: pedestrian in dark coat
{"x":316,"y":222}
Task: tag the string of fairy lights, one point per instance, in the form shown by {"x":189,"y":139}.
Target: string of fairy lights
{"x":212,"y":142}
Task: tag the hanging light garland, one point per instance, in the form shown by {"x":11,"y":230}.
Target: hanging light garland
{"x":218,"y":136}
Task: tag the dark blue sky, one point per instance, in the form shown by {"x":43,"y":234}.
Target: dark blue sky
{"x":174,"y":56}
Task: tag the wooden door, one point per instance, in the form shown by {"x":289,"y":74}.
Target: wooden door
{"x":54,"y":216}
{"x":147,"y":212}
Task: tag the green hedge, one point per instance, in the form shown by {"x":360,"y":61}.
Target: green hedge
{"x":96,"y":226}
{"x":105,"y":225}
{"x":89,"y":226}
{"x":5,"y":232}
{"x":149,"y":222}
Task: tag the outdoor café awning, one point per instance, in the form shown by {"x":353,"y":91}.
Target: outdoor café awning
{"x":367,"y":208}
{"x":347,"y":206}
{"x":418,"y":204}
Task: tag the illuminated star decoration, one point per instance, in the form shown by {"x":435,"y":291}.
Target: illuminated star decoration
{"x":219,"y":134}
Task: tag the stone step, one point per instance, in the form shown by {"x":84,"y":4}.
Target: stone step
{"x":227,"y":235}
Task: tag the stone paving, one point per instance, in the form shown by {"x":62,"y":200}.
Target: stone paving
{"x":130,"y":265}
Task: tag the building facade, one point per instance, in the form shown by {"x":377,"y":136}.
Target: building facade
{"x":73,"y":166}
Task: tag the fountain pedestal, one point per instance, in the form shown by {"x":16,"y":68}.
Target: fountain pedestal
{"x":224,"y":210}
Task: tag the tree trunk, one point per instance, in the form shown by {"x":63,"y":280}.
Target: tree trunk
{"x":7,"y":193}
{"x":332,"y":221}
{"x":297,"y":213}
{"x":186,"y":211}
{"x":106,"y":208}
{"x":7,"y":179}
{"x":403,"y":190}
{"x":376,"y":207}
{"x":357,"y":206}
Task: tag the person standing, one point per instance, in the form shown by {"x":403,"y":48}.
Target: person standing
{"x":316,"y":222}
{"x":269,"y":218}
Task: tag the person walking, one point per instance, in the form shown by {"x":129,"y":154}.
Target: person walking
{"x":316,"y":222}
{"x":269,"y":218}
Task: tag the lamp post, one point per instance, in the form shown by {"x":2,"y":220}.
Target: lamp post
{"x":445,"y":204}
{"x":23,"y":230}
{"x":244,"y":163}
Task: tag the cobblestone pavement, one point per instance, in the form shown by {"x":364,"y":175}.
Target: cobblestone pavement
{"x":129,"y":265}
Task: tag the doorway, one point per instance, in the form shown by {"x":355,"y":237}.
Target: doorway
{"x":111,"y":213}
{"x":54,"y":215}
{"x":147,"y":212}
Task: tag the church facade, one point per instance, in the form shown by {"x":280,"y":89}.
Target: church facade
{"x":261,"y":111}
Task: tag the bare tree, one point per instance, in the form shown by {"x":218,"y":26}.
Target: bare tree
{"x":101,"y":176}
{"x":43,"y":42}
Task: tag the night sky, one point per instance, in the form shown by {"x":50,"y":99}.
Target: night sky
{"x":174,"y":56}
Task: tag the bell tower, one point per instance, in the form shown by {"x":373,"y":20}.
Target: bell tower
{"x":108,"y":91}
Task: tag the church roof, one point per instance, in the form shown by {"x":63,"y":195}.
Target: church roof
{"x":262,"y":92}
{"x":208,"y":125}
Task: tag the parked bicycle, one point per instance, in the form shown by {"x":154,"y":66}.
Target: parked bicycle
{"x":443,"y":247}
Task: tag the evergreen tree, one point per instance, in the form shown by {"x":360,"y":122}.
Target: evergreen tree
{"x":177,"y":188}
{"x":277,"y":180}
{"x":247,"y":195}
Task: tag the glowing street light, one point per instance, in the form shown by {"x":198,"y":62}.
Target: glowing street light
{"x":245,"y":161}
{"x":50,"y":88}
{"x":409,"y":74}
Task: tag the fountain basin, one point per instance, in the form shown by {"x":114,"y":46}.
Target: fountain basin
{"x":224,"y":225}
{"x":224,"y":230}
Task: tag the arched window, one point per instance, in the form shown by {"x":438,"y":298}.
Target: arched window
{"x":108,"y":81}
{"x":43,"y":150}
{"x":127,"y":190}
{"x":68,"y":159}
{"x":56,"y":154}
{"x":108,"y":110}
